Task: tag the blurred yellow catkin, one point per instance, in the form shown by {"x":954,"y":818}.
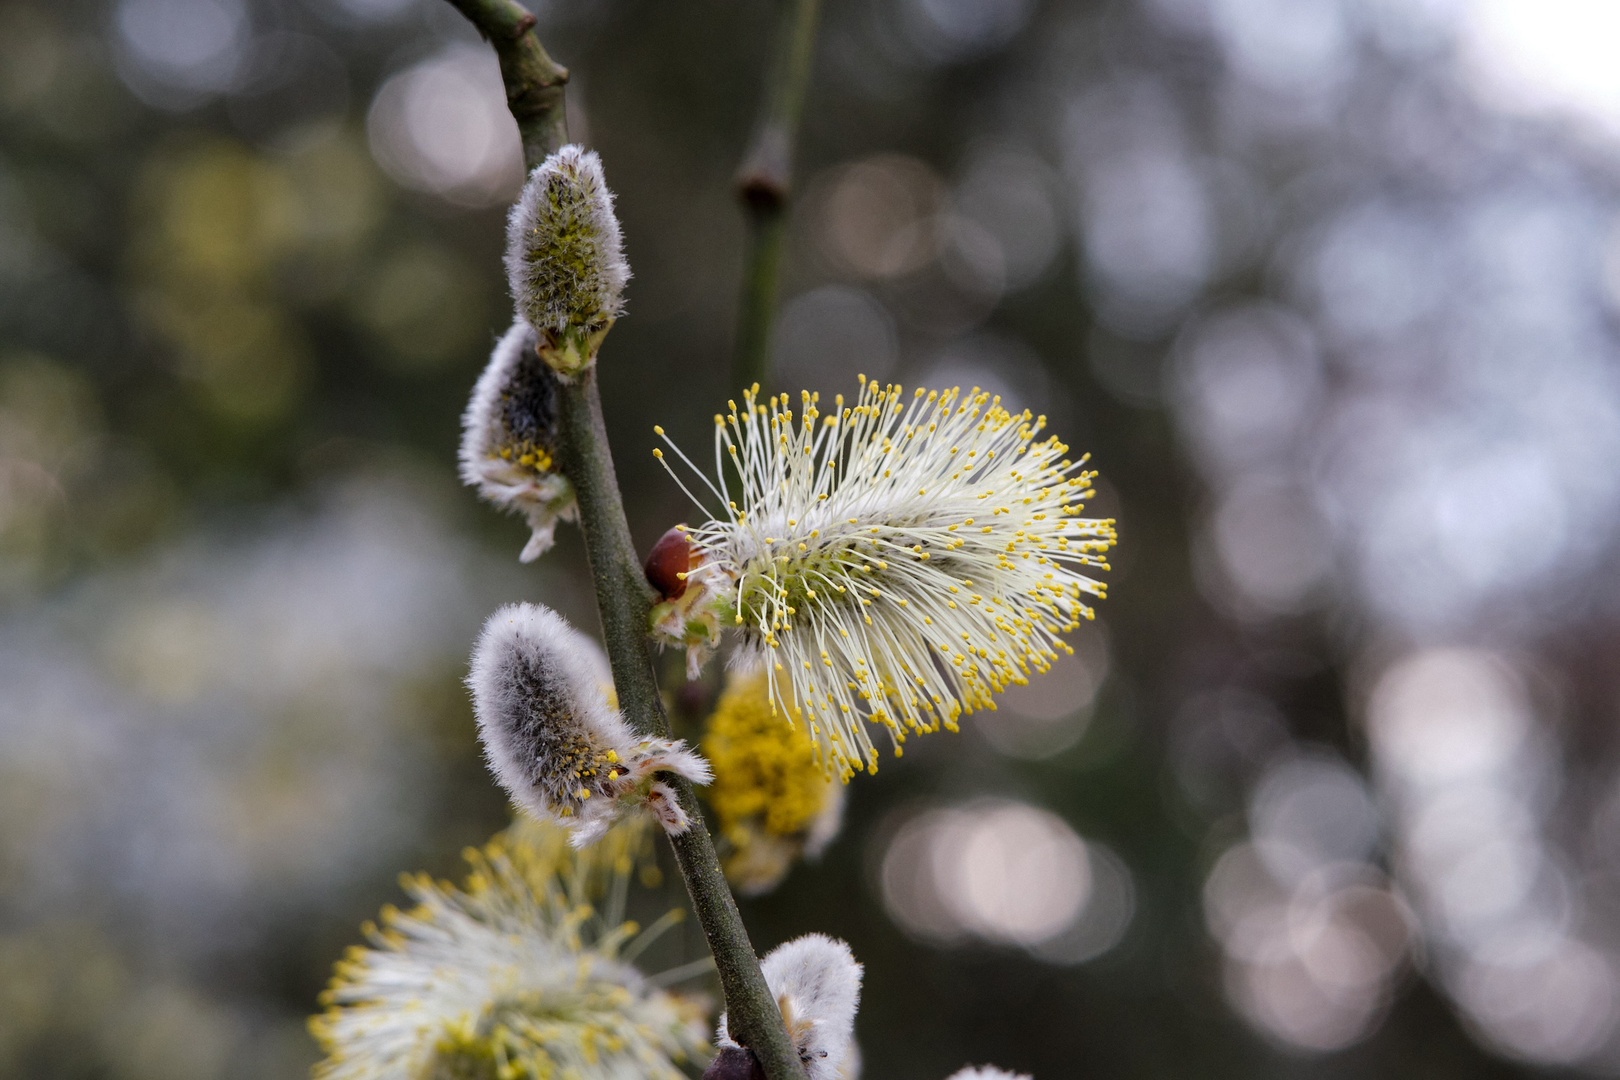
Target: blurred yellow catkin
{"x":774,"y":801}
{"x":518,"y":973}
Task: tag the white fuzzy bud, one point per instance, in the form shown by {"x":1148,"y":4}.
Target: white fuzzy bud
{"x":565,"y":258}
{"x":509,"y":439}
{"x":540,"y":693}
{"x":987,"y":1072}
{"x":817,"y":985}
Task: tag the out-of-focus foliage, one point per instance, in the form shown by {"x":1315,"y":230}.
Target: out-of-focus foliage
{"x":1332,"y":787}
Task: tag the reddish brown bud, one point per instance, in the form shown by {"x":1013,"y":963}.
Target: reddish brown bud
{"x":734,"y":1063}
{"x":668,"y":564}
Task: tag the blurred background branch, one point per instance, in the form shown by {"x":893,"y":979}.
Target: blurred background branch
{"x":765,"y":185}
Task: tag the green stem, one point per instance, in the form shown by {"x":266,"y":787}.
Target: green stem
{"x":764,"y":184}
{"x":624,"y":600}
{"x":534,"y":90}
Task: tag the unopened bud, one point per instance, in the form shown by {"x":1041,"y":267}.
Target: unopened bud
{"x":691,"y":598}
{"x":669,"y":563}
{"x":565,"y":258}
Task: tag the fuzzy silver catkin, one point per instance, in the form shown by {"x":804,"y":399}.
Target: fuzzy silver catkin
{"x":565,"y":257}
{"x":816,"y":982}
{"x":509,"y":438}
{"x":540,"y":694}
{"x":987,"y":1072}
{"x":542,"y":711}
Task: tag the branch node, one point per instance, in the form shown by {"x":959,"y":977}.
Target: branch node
{"x":764,"y":185}
{"x":762,"y":191}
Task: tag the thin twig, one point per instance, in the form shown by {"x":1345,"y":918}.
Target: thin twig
{"x":682,"y":973}
{"x":534,"y":90}
{"x":764,"y":184}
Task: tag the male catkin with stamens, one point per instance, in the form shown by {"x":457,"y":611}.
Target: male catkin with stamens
{"x":565,"y":258}
{"x":894,"y":563}
{"x":540,"y":693}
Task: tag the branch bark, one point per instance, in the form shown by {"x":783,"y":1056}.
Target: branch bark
{"x":764,"y":184}
{"x":534,"y":91}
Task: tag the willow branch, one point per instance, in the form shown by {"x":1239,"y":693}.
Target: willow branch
{"x":764,"y":184}
{"x":534,"y":90}
{"x":624,"y":599}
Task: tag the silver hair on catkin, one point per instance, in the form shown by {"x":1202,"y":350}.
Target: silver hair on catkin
{"x":509,"y":439}
{"x":565,"y":258}
{"x":987,"y":1072}
{"x":560,"y":749}
{"x":816,"y":982}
